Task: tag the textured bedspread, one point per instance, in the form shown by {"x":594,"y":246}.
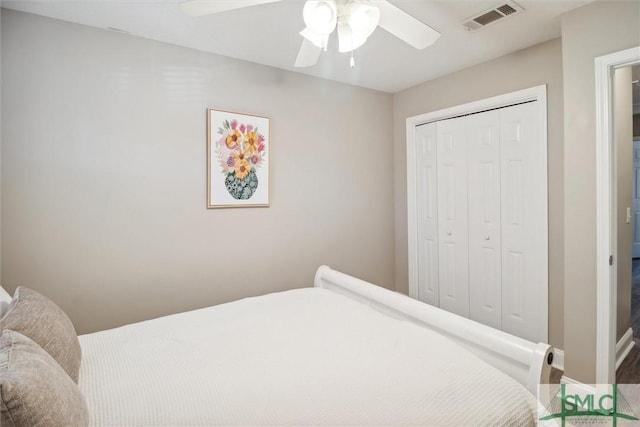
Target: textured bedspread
{"x":301,"y":357}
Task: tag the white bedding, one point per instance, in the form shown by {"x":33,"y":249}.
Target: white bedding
{"x":301,"y":357}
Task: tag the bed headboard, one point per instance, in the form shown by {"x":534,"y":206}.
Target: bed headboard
{"x":529,"y":363}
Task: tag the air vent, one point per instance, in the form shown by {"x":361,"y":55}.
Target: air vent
{"x":505,"y":9}
{"x":490,"y":16}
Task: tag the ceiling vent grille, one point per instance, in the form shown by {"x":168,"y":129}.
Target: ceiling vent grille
{"x":490,"y":16}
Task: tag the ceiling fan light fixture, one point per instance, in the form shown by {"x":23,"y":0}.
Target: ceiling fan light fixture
{"x":348,"y":40}
{"x":362,"y":17}
{"x":357,"y":21}
{"x":320,"y":16}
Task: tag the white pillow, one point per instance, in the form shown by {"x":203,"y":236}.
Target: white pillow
{"x":5,"y":300}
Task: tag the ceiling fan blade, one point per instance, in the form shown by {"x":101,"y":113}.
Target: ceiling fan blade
{"x":404,"y":26}
{"x":207,"y":7}
{"x":308,"y":54}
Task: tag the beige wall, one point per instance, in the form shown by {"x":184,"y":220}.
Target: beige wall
{"x":623,"y":127}
{"x":103,"y":175}
{"x":541,"y":64}
{"x":597,"y":29}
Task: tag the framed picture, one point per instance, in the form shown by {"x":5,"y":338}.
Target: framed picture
{"x":238,"y":160}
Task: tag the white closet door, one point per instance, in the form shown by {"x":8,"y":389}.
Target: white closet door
{"x":427,"y":190}
{"x":522,"y":222}
{"x":485,"y":262}
{"x":452,"y":216}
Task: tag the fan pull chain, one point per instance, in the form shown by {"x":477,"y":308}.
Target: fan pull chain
{"x":352,"y":63}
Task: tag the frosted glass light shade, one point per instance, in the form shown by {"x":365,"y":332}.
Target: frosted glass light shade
{"x":320,"y":16}
{"x":363,"y":18}
{"x":347,"y":39}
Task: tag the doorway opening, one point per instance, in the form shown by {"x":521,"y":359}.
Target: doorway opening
{"x":607,"y":213}
{"x":626,"y":105}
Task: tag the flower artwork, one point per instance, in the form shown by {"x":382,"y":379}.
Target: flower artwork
{"x":238,"y":160}
{"x":239,"y":152}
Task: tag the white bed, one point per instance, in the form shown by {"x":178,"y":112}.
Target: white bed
{"x":342,"y":353}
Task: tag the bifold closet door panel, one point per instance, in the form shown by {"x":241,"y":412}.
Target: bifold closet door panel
{"x":483,"y":150}
{"x":427,"y":215}
{"x":453,"y":254}
{"x":522,"y":222}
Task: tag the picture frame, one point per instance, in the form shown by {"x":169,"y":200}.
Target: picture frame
{"x":238,"y":160}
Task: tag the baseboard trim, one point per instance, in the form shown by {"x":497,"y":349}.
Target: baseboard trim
{"x":584,"y":388}
{"x":558,"y":359}
{"x":623,"y":347}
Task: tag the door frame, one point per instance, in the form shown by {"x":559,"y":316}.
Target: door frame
{"x":536,"y":93}
{"x":606,"y":224}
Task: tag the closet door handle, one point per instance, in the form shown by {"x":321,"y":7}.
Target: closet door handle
{"x":486,"y":237}
{"x":449,"y":233}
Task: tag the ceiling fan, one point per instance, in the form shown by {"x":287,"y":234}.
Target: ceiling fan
{"x":355,"y":20}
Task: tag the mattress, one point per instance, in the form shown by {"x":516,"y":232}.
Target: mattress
{"x":302,"y":357}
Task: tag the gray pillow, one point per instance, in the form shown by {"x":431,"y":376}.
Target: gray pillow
{"x":40,"y":319}
{"x":34,"y":390}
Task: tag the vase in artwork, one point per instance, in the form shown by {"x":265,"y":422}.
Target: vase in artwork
{"x":242,"y":188}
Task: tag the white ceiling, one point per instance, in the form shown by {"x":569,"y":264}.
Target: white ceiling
{"x":268,"y":34}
